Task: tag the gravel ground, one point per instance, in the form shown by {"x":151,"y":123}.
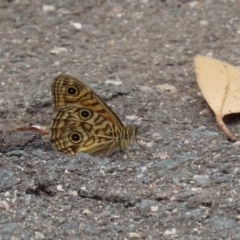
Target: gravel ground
{"x":181,"y":182}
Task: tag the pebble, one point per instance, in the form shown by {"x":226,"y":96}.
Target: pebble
{"x":171,"y":231}
{"x":162,"y":88}
{"x":60,"y":188}
{"x":77,"y":25}
{"x":73,"y":193}
{"x":114,"y":82}
{"x":134,"y":235}
{"x":4,"y":205}
{"x":48,"y":8}
{"x":87,"y":212}
{"x":58,"y":50}
{"x":154,"y":208}
{"x":39,"y":235}
{"x":146,"y":144}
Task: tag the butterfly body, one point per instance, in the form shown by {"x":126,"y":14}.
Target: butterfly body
{"x":84,"y":122}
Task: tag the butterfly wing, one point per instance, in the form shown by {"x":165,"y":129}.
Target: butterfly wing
{"x":68,"y":91}
{"x":84,"y":122}
{"x":79,"y":129}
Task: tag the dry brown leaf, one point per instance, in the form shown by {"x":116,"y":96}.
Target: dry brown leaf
{"x":220,"y":85}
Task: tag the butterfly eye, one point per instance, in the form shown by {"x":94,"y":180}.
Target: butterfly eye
{"x":72,"y":90}
{"x":75,"y":137}
{"x":85,"y":114}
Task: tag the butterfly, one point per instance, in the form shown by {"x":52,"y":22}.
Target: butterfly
{"x":83,"y":122}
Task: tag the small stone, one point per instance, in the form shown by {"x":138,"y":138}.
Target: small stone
{"x":171,"y":231}
{"x":236,"y":144}
{"x":58,"y":50}
{"x":146,"y":144}
{"x":157,"y":137}
{"x":77,"y":25}
{"x":141,"y":171}
{"x":131,"y":117}
{"x":154,"y":208}
{"x":204,"y":23}
{"x":162,"y":88}
{"x":48,"y":8}
{"x":60,"y":188}
{"x":205,"y":112}
{"x":39,"y":235}
{"x":114,"y":82}
{"x":7,"y":194}
{"x":196,"y":190}
{"x":87,"y":212}
{"x":164,"y":155}
{"x":4,"y":205}
{"x":194,"y":4}
{"x":134,"y":235}
{"x":73,"y":193}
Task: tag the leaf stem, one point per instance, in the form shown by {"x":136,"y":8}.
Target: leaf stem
{"x":224,"y":128}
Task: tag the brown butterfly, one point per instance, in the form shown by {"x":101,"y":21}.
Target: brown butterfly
{"x":84,"y":122}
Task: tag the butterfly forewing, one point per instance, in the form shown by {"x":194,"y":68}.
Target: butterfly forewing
{"x":83,"y":97}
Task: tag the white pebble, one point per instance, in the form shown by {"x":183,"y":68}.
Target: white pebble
{"x":57,"y":50}
{"x":48,"y":8}
{"x":115,"y":83}
{"x":60,"y":188}
{"x":77,"y":25}
{"x":166,"y":88}
{"x":171,"y":231}
{"x":4,"y":205}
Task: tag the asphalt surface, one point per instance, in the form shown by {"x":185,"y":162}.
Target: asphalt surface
{"x":180,"y":182}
